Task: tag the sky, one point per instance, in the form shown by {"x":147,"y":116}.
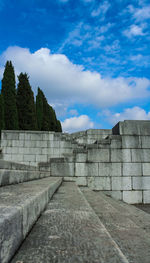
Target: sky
{"x":91,"y":58}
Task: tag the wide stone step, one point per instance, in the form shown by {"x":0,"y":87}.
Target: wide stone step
{"x":69,"y":231}
{"x":133,"y":241}
{"x":20,"y":207}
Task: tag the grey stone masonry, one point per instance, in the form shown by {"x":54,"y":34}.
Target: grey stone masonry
{"x":116,"y":161}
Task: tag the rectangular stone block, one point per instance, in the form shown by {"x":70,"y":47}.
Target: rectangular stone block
{"x":141,"y":183}
{"x":146,"y":169}
{"x":120,"y":155}
{"x":109,"y":169}
{"x":145,"y":141}
{"x":41,"y":158}
{"x":7,"y":157}
{"x":47,"y":150}
{"x":121,"y":183}
{"x":131,"y":141}
{"x":29,"y":158}
{"x":36,"y":136}
{"x":132,"y":127}
{"x":132,"y":197}
{"x":53,"y":144}
{"x":86,"y":169}
{"x":146,"y":197}
{"x":117,"y":144}
{"x":21,"y":136}
{"x":132,"y":169}
{"x":116,"y":195}
{"x":62,"y":169}
{"x":140,"y":155}
{"x":40,"y":144}
{"x":81,"y":157}
{"x":28,"y":143}
{"x":17,"y":143}
{"x":81,"y":181}
{"x":99,"y":183}
{"x":98,"y":155}
{"x":17,"y":158}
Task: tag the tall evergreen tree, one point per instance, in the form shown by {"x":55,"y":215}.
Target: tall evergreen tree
{"x":9,"y":97}
{"x":39,"y":109}
{"x":58,"y":127}
{"x":25,"y":104}
{"x":2,"y":125}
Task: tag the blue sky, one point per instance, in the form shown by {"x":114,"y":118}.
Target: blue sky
{"x":90,"y":57}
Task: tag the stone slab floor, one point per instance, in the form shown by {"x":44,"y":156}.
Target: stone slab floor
{"x":80,"y":225}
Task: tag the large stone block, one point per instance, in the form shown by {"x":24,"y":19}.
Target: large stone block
{"x":146,"y":169}
{"x":146,"y":197}
{"x":81,"y":157}
{"x":28,"y":143}
{"x":132,"y":127}
{"x":141,"y":183}
{"x":120,"y":155}
{"x":41,"y":158}
{"x":131,"y":141}
{"x":132,"y":169}
{"x":40,"y":144}
{"x":109,"y":169}
{"x":86,"y":169}
{"x":17,"y":143}
{"x":140,"y":155}
{"x":17,"y":158}
{"x":81,"y":181}
{"x":98,"y":155}
{"x":29,"y":158}
{"x":99,"y":183}
{"x":145,"y":141}
{"x":121,"y":183}
{"x":132,"y":197}
{"x":62,"y":169}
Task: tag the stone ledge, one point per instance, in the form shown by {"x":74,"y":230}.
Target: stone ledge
{"x":20,"y":206}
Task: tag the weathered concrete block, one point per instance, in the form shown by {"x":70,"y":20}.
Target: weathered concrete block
{"x":36,"y":136}
{"x":86,"y":169}
{"x":132,"y":197}
{"x":40,"y":144}
{"x":132,"y":169}
{"x":53,"y":144}
{"x":121,"y":183}
{"x":132,"y":127}
{"x":140,"y":155}
{"x":98,"y":155}
{"x":145,"y":141}
{"x":17,"y":158}
{"x":146,"y":169}
{"x":141,"y":183}
{"x":41,"y":158}
{"x":29,"y":158}
{"x":146,"y":197}
{"x":62,"y":169}
{"x":81,"y":157}
{"x":116,"y":144}
{"x":109,"y":169}
{"x":131,"y":141}
{"x":47,"y":150}
{"x":17,"y":143}
{"x":81,"y":181}
{"x":21,"y":136}
{"x":99,"y":183}
{"x":28,"y":143}
{"x":120,"y":155}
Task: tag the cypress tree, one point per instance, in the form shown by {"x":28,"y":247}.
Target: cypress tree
{"x":9,"y":97}
{"x":39,"y":108}
{"x":1,"y":113}
{"x":58,"y":126}
{"x":25,"y":104}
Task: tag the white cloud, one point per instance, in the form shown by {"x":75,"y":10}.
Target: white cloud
{"x":74,"y":124}
{"x":66,"y":83}
{"x":140,"y":14}
{"x":134,"y":30}
{"x":135,"y":113}
{"x":102,"y":9}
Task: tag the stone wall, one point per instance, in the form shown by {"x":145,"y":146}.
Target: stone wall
{"x":115,"y":161}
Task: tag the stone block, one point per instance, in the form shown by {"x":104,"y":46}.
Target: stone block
{"x":121,"y":183}
{"x":99,"y":183}
{"x":132,"y":169}
{"x":146,"y":169}
{"x":81,"y":157}
{"x":36,"y":136}
{"x":86,"y":169}
{"x":29,"y":158}
{"x":17,"y":143}
{"x":28,"y":143}
{"x":131,"y":141}
{"x":69,"y":179}
{"x":53,"y":144}
{"x":81,"y":181}
{"x":62,"y":169}
{"x":21,"y":136}
{"x":11,"y":135}
{"x":17,"y":158}
{"x":47,"y":150}
{"x":146,"y":197}
{"x":132,"y":127}
{"x":41,"y":158}
{"x":145,"y":141}
{"x":40,"y":144}
{"x":117,"y":144}
{"x":120,"y":155}
{"x":116,"y":195}
{"x":98,"y":155}
{"x":132,"y":197}
{"x":141,"y":183}
{"x":7,"y":157}
{"x":56,"y":151}
{"x":109,"y":169}
{"x":140,"y":155}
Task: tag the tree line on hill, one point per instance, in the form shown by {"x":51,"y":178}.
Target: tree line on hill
{"x":19,"y":111}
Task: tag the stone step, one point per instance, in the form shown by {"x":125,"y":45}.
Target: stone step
{"x":133,"y":241}
{"x":14,"y":173}
{"x":20,"y":207}
{"x":141,"y":218}
{"x":69,"y":231}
